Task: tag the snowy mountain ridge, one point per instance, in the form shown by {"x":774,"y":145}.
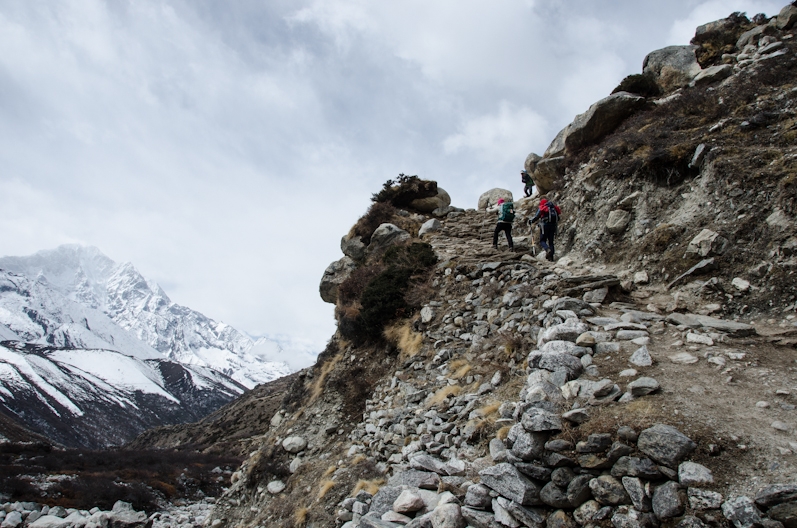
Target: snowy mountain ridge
{"x":85,"y":279}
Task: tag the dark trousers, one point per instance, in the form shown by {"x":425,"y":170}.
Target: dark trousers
{"x":548,"y":232}
{"x":505,"y":227}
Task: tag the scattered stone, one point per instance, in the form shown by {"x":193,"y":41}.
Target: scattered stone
{"x":780,"y":426}
{"x":636,"y":491}
{"x":785,"y":513}
{"x":294,"y":444}
{"x":693,"y":474}
{"x":669,"y":500}
{"x":576,"y":416}
{"x":740,"y":284}
{"x":641,"y":357}
{"x":643,"y":386}
{"x":509,"y":482}
{"x":742,"y":512}
{"x":560,"y":519}
{"x":408,"y":502}
{"x":665,"y":444}
{"x":776,"y":494}
{"x":275,"y":486}
{"x":703,"y":499}
{"x":683,"y":358}
{"x":608,"y":490}
{"x":699,"y":339}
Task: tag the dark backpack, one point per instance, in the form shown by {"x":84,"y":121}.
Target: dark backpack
{"x":507,"y":212}
{"x":525,"y":178}
{"x":551,"y":216}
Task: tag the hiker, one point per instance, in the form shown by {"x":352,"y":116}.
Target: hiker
{"x":506,"y":214}
{"x":528,"y":183}
{"x":548,"y":215}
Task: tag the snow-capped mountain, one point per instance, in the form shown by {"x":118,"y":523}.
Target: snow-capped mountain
{"x":97,"y":284}
{"x":96,"y":398}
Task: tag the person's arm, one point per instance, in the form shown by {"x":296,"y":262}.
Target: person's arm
{"x":536,"y":216}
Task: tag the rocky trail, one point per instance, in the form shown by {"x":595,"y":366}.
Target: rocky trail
{"x":479,"y":423}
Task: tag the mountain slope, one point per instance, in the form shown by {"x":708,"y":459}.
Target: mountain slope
{"x":87,"y":278}
{"x":95,"y":398}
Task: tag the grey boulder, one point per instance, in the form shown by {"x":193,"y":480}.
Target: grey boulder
{"x":665,"y":444}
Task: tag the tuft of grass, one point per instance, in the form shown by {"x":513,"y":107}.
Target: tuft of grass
{"x":503,"y":432}
{"x":324,"y":488}
{"x":330,"y":470}
{"x":359,"y":457}
{"x":461,"y":372}
{"x":300,"y":517}
{"x":318,"y":384}
{"x":370,"y":486}
{"x":441,"y":395}
{"x":490,"y":409}
{"x":406,"y":340}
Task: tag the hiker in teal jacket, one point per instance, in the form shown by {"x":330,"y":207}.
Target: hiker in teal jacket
{"x":506,"y":214}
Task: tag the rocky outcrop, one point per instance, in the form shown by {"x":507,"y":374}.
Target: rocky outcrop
{"x":601,"y":118}
{"x":490,"y":198}
{"x":334,"y":275}
{"x":672,"y":67}
{"x":428,"y":205}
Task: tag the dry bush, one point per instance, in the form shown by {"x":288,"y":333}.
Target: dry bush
{"x":489,"y":290}
{"x":369,"y":486}
{"x":441,"y":395}
{"x":324,"y":488}
{"x":405,"y":339}
{"x":511,"y":342}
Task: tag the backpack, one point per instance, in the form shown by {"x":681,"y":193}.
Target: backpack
{"x":525,"y":178}
{"x":549,"y":213}
{"x":507,"y":212}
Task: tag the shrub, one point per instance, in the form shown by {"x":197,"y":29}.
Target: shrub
{"x":378,"y":214}
{"x":383,"y":300}
{"x":416,"y":257}
{"x":404,"y":190}
{"x":640,"y":84}
{"x":351,"y":289}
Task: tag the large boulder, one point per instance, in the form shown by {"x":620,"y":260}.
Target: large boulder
{"x":531,"y":162}
{"x":601,"y":119}
{"x":547,"y":173}
{"x":489,"y":198}
{"x":707,"y":243}
{"x":713,"y":74}
{"x":334,"y":275}
{"x":427,"y":205}
{"x":511,"y":483}
{"x":352,"y":246}
{"x":665,"y":444}
{"x":787,"y":17}
{"x":617,"y":221}
{"x":672,"y":67}
{"x":722,"y":31}
{"x":387,"y":235}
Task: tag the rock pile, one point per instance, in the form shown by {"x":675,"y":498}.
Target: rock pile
{"x":34,"y":515}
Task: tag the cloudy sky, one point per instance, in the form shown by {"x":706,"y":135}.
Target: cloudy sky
{"x":225,"y":147}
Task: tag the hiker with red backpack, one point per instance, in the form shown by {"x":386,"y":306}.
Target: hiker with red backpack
{"x":548,"y":216}
{"x":506,"y":215}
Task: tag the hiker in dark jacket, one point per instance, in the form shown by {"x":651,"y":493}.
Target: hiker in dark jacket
{"x":548,"y":216}
{"x":528,"y":183}
{"x":506,"y":214}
